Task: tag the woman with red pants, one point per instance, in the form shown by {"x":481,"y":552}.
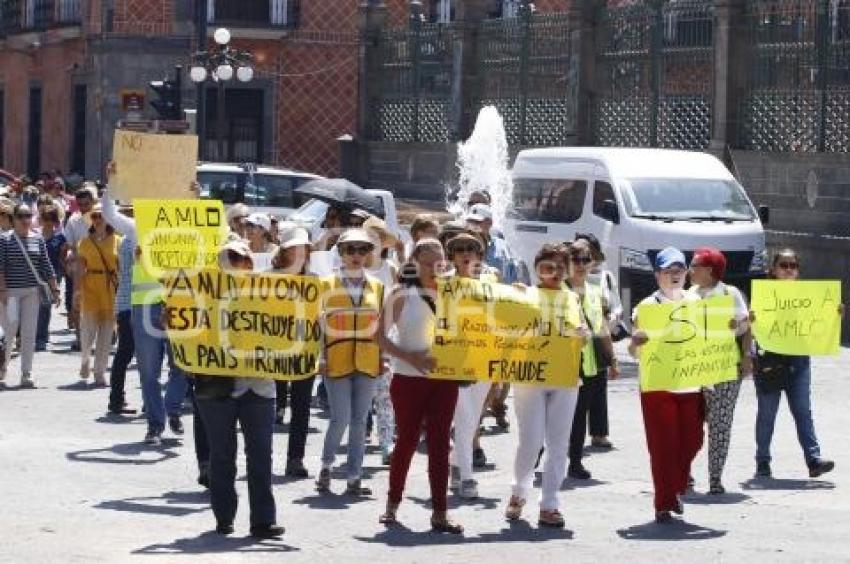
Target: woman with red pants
{"x":417,"y":399}
{"x":673,"y":420}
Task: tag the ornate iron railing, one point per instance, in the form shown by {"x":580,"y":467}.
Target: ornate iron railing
{"x":657,"y":72}
{"x":17,"y":16}
{"x":798,"y":95}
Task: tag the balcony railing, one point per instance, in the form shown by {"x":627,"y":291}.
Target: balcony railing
{"x":253,"y":13}
{"x":17,"y":16}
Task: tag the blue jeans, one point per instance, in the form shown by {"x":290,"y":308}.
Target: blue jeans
{"x":151,"y":347}
{"x":255,"y":415}
{"x":350,"y":400}
{"x":798,"y":394}
{"x":42,"y":335}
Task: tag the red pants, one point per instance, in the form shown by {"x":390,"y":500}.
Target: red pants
{"x":417,"y":401}
{"x":674,"y":436}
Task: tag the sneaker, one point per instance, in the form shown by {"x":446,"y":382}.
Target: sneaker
{"x":601,"y":443}
{"x":27,"y":383}
{"x":153,"y":438}
{"x":819,"y":467}
{"x":296,"y":469}
{"x":763,"y":470}
{"x":175,"y":424}
{"x":514,"y":510}
{"x":454,"y":478}
{"x":578,"y":472}
{"x":715,"y":487}
{"x":323,"y":482}
{"x":479,"y":459}
{"x":468,"y":489}
{"x":267,"y":531}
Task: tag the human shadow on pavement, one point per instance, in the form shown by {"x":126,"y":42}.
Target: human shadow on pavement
{"x":211,"y":543}
{"x":78,"y":386}
{"x":518,"y":531}
{"x":673,"y":531}
{"x":127,"y":453}
{"x":728,"y":498}
{"x":121,"y":418}
{"x":768,"y":484}
{"x":573,"y":484}
{"x":332,"y":500}
{"x":454,"y":502}
{"x":173,"y":504}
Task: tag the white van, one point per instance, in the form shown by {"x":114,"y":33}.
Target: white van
{"x":262,"y":188}
{"x":636,"y":202}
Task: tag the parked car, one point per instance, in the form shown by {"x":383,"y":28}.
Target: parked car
{"x":263,"y":188}
{"x":636,"y":201}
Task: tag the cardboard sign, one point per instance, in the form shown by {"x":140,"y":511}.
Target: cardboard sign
{"x":179,"y":234}
{"x":797,"y":317}
{"x":244,"y":324}
{"x":497,"y":333}
{"x":153,"y":165}
{"x":690,"y":344}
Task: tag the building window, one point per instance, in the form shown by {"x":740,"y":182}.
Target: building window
{"x":34,"y":143}
{"x":78,"y":131}
{"x":253,"y":13}
{"x":243,"y":125}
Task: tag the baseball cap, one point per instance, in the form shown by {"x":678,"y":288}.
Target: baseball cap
{"x":260,"y":220}
{"x":479,"y":212}
{"x":670,"y":256}
{"x":356,"y":235}
{"x":237,"y":210}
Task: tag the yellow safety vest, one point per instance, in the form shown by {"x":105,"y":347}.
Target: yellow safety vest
{"x":351,"y":330}
{"x":591,"y":307}
{"x":145,"y":289}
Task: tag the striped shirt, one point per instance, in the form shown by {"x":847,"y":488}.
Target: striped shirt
{"x":15,"y":267}
{"x":125,"y":274}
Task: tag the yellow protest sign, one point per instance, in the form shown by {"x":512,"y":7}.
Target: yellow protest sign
{"x":797,"y":317}
{"x":244,"y":324}
{"x":690,"y":344}
{"x":176,"y":234}
{"x":153,"y":165}
{"x":497,"y":333}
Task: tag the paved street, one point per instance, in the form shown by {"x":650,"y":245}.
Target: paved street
{"x":80,"y":487}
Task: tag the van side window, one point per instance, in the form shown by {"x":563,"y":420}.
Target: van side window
{"x":552,"y":201}
{"x":602,"y":191}
{"x":271,"y":191}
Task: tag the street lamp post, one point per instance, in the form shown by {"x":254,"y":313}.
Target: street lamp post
{"x":221,"y":64}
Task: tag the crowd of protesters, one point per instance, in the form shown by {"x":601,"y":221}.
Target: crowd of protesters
{"x":51,"y":233}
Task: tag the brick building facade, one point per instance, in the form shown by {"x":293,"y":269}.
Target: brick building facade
{"x":64,"y":63}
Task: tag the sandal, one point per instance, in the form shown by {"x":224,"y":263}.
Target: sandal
{"x":389,"y":516}
{"x":354,"y":488}
{"x":446,"y":525}
{"x":551,"y":518}
{"x":514,"y":510}
{"x":323,"y":482}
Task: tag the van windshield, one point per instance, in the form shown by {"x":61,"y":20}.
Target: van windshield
{"x":687,"y":199}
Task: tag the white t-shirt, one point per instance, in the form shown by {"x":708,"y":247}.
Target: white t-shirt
{"x":77,"y":229}
{"x":658,"y":297}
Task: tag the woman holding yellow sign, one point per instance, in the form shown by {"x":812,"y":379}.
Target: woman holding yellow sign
{"x":708,"y":267}
{"x":352,"y":303}
{"x":597,"y":358}
{"x":673,"y":420}
{"x":545,"y":414}
{"x":777,"y":372}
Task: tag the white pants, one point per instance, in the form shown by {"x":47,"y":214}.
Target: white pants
{"x":470,"y":406}
{"x":99,"y":334}
{"x":544,"y":416}
{"x":21,"y":311}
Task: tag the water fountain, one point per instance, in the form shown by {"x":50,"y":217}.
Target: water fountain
{"x":482,"y":162}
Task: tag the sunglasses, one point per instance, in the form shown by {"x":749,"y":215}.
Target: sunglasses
{"x":788,"y":265}
{"x":581,"y":259}
{"x":466,"y":249}
{"x":234,"y":256}
{"x":357,"y":249}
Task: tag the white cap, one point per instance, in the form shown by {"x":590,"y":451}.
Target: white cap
{"x":479,"y":212}
{"x":355,"y":236}
{"x":260,"y":220}
{"x":293,"y":237}
{"x":237,"y":210}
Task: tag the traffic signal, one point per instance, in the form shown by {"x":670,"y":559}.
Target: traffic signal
{"x":167,"y":100}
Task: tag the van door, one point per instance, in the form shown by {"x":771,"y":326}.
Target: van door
{"x":546,"y":210}
{"x":598,"y":220}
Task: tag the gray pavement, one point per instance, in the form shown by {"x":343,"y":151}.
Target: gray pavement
{"x":77,"y":486}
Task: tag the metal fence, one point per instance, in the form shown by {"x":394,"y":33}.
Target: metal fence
{"x":524,"y":69}
{"x":656,"y":61}
{"x":416,"y":67}
{"x":798,"y":95}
